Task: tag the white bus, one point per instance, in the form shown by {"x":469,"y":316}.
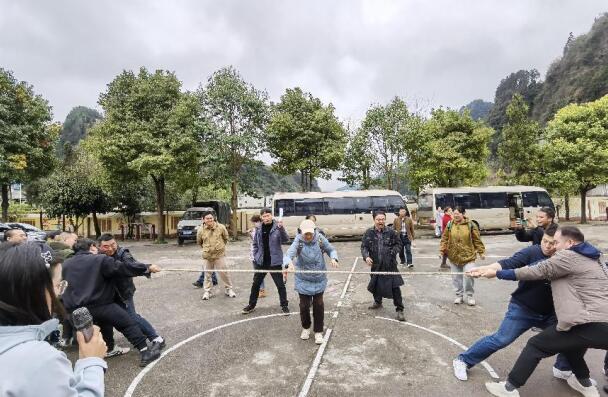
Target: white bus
{"x":339,"y":214}
{"x":493,"y":207}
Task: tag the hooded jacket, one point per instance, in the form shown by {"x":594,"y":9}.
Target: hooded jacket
{"x":579,"y":283}
{"x":30,"y":367}
{"x":461,"y":242}
{"x":278,"y":235}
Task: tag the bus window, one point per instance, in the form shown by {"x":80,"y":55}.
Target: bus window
{"x":287,"y":205}
{"x":309,"y":206}
{"x":444,"y":200}
{"x":530,"y":199}
{"x":388,"y":204}
{"x":339,"y":205}
{"x":363,"y":205}
{"x":493,"y":200}
{"x":425,"y":202}
{"x":544,"y":200}
{"x":469,"y":201}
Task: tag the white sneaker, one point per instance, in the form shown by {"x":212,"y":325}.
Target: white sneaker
{"x":318,"y":338}
{"x":590,"y":391}
{"x":206,"y":296}
{"x":458,"y":300}
{"x":230,"y":293}
{"x":559,"y":374}
{"x":117,"y":351}
{"x":471,"y":301}
{"x":305,"y":335}
{"x":460,"y":369}
{"x":499,"y":389}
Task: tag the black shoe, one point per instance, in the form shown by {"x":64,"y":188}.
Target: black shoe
{"x":160,"y":345}
{"x":402,"y":263}
{"x":606,"y":389}
{"x":410,"y":265}
{"x":152,"y":353}
{"x":375,"y":306}
{"x":248,"y":309}
{"x":400,"y":315}
{"x":285,"y":310}
{"x":196,"y":284}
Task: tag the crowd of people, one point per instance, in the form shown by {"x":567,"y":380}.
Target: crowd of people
{"x":562,"y":291}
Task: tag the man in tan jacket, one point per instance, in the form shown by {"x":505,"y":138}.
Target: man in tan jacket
{"x":212,"y":236}
{"x":404,"y":227}
{"x":579,"y":283}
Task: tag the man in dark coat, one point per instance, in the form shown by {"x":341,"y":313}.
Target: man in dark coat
{"x":379,"y":249}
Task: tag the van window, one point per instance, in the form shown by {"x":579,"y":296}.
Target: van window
{"x":363,"y":204}
{"x":309,"y":206}
{"x":388,"y":204}
{"x":339,"y":205}
{"x":493,"y":200}
{"x":444,"y":200}
{"x":530,"y":199}
{"x":193,"y":215}
{"x":544,"y":200}
{"x":469,"y":201}
{"x":287,"y":205}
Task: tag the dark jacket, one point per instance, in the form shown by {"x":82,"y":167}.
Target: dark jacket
{"x":383,"y":250}
{"x":91,"y":279}
{"x":124,"y":285}
{"x":526,"y":235}
{"x":533,"y":295}
{"x":277,"y":236}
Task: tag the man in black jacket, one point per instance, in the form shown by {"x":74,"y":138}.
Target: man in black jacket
{"x":379,"y":249}
{"x":125,"y":286}
{"x":91,"y":284}
{"x":544,"y":218}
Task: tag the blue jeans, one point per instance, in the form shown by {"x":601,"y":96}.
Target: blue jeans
{"x":517,"y":320}
{"x":201,"y":278}
{"x":407,"y":247}
{"x":144,"y":325}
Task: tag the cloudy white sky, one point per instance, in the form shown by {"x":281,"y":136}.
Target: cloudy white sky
{"x":350,"y":53}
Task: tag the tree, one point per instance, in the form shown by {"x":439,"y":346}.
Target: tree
{"x":479,"y":109}
{"x":576,"y":148}
{"x":235,"y":114}
{"x":451,"y":149}
{"x":149,"y":131}
{"x":75,"y":127}
{"x":519,"y":151}
{"x":304,"y":135}
{"x":357,"y":165}
{"x":27,"y":138}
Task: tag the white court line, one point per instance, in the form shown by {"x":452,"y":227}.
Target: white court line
{"x":487,"y":366}
{"x":317,"y":361}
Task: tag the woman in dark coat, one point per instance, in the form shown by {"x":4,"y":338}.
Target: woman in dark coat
{"x":379,"y":249}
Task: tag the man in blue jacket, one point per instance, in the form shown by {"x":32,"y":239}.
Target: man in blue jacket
{"x":531,"y":306}
{"x":268,"y":255}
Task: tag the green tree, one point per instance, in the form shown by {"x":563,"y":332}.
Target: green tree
{"x":75,"y":127}
{"x":304,"y":135}
{"x":358,"y":160}
{"x":576,"y":148}
{"x":235,"y":114}
{"x":451,"y":149}
{"x":519,"y":152}
{"x":149,"y":131}
{"x":27,"y":139}
{"x":479,"y":109}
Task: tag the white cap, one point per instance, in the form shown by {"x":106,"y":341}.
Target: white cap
{"x":307,"y":226}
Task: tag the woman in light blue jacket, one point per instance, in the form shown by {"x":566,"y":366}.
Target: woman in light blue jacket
{"x":308,"y":247}
{"x":29,"y":366}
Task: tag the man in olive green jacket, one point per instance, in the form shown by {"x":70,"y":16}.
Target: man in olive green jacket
{"x":212,"y":237}
{"x":461,"y":243}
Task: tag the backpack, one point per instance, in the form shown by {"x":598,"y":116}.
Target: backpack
{"x":472,"y":224}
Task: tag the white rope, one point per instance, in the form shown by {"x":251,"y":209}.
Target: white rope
{"x":439,"y":273}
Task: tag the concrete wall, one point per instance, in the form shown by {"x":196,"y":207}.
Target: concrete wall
{"x":596,"y":208}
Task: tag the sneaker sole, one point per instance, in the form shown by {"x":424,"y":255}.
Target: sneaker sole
{"x":247,"y":312}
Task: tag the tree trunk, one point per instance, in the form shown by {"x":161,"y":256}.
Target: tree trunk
{"x":234,"y":203}
{"x":583,"y":205}
{"x":5,"y":202}
{"x":159,"y":186}
{"x":96,"y":225}
{"x":567,"y":206}
{"x":76,"y":225}
{"x":41,"y":224}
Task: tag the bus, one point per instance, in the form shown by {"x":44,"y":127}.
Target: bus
{"x":495,"y":208}
{"x":339,"y":214}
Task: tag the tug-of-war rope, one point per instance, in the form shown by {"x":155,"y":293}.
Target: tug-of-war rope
{"x":406,"y":273}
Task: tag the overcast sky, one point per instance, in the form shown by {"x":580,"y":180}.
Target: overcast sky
{"x":350,"y":53}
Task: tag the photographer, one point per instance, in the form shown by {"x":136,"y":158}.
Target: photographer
{"x":28,"y":365}
{"x":544,"y":218}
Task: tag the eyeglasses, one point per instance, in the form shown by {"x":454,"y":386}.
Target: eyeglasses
{"x":61,"y":287}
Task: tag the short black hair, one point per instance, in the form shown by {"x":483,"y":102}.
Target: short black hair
{"x":255,"y":218}
{"x":549,"y":211}
{"x":379,"y":212}
{"x":265,"y":211}
{"x":310,"y":216}
{"x":461,"y":209}
{"x":551,"y":229}
{"x":105,"y":237}
{"x":83,"y":245}
{"x":573,"y":233}
{"x":209,"y":213}
{"x":52,"y":234}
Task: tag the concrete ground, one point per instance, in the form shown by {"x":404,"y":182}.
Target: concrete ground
{"x":214,"y":350}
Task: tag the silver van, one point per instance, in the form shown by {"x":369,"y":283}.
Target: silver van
{"x":192,"y":219}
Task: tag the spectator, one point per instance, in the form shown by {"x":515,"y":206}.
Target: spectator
{"x":257,"y":221}
{"x":404,"y":227}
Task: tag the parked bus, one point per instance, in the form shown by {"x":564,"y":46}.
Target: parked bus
{"x":339,"y":214}
{"x":493,"y":207}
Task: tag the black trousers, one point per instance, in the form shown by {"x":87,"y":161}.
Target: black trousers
{"x":397,"y":299}
{"x":258,"y":278}
{"x":111,"y":316}
{"x":572,"y":344}
{"x":318,"y":311}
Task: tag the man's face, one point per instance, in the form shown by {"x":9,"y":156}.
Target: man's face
{"x":548,"y":245}
{"x":18,"y":236}
{"x":108,"y":247}
{"x":542,"y":219}
{"x":267,"y":218}
{"x":70,"y":240}
{"x":401,"y":213}
{"x":209,"y":220}
{"x":379,"y":221}
{"x":562,"y":243}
